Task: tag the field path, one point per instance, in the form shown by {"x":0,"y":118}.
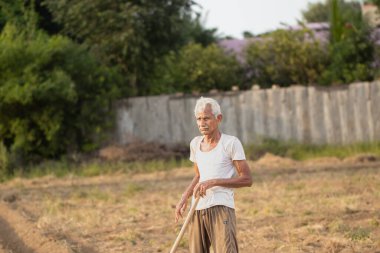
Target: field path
{"x":19,"y":235}
{"x":315,"y":206}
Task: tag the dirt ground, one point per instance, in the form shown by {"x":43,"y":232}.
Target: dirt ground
{"x":323,"y":205}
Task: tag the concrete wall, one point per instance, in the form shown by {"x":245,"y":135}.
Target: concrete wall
{"x":336,"y":115}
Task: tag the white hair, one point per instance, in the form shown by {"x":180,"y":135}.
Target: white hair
{"x":203,"y":102}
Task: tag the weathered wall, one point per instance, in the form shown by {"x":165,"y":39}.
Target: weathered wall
{"x":336,"y":115}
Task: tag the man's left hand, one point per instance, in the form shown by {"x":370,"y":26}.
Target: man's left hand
{"x":201,"y":187}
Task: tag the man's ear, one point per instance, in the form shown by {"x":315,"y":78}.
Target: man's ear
{"x":219,"y":117}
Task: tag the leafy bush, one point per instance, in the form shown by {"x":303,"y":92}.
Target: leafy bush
{"x":54,"y":97}
{"x":4,"y":161}
{"x":195,"y":68}
{"x":376,"y":64}
{"x":299,"y":151}
{"x":350,"y":61}
{"x":316,"y":12}
{"x":130,"y":34}
{"x":285,"y":58}
{"x":351,"y":49}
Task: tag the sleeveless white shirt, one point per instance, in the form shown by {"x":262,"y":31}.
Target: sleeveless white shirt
{"x":214,"y":164}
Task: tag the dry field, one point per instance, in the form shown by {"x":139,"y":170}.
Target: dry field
{"x":323,"y":205}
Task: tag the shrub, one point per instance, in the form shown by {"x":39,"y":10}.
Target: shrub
{"x":195,"y":68}
{"x":350,"y":61}
{"x":4,"y":161}
{"x":285,"y":58}
{"x":54,"y":96}
{"x":351,"y":49}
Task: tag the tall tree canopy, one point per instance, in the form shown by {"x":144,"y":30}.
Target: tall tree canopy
{"x":50,"y":88}
{"x":196,"y":68}
{"x":351,"y":47}
{"x":321,"y":11}
{"x":131,"y":34}
{"x":375,"y":2}
{"x":63,"y":60}
{"x":316,"y":12}
{"x":285,"y":57}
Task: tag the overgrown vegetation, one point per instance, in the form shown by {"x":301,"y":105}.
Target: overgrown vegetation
{"x":287,"y":57}
{"x":4,"y":162}
{"x":94,"y":166}
{"x":50,"y":88}
{"x":307,"y":151}
{"x":63,"y":62}
{"x":303,"y":209}
{"x":130,"y":34}
{"x":351,"y":51}
{"x":277,"y":57}
{"x":195,"y":68}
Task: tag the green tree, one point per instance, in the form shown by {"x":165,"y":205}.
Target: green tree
{"x":19,"y":13}
{"x":351,"y":49}
{"x":4,"y":162}
{"x":54,"y":96}
{"x":132,"y":34}
{"x":316,"y":12}
{"x":336,"y":21}
{"x":285,"y":58}
{"x":196,"y":68}
{"x":321,"y":11}
{"x":31,"y":13}
{"x":247,"y":35}
{"x":375,"y":2}
{"x":194,"y":31}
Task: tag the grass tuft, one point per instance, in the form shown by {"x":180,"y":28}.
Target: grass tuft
{"x":131,"y":189}
{"x":308,"y":151}
{"x":96,"y":167}
{"x":359,"y":234}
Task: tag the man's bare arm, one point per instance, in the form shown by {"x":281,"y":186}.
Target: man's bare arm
{"x":244,"y":179}
{"x":181,"y":206}
{"x":189,"y":190}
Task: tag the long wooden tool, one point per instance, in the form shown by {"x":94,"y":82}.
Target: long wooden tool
{"x":183,"y":229}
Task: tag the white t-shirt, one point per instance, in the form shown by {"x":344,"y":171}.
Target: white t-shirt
{"x":214,"y":164}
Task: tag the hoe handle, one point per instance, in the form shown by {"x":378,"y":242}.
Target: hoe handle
{"x":183,"y":229}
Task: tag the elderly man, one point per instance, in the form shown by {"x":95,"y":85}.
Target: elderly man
{"x":216,"y":157}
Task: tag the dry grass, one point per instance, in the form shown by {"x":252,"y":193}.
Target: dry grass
{"x":295,"y":209}
{"x":321,"y":211}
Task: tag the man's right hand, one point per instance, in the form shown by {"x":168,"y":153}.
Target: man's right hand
{"x":180,"y":209}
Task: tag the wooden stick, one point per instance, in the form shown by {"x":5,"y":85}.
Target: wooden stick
{"x":183,"y":229}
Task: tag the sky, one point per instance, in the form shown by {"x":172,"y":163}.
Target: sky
{"x":232,"y":17}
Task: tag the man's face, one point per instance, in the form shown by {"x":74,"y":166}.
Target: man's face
{"x":207,"y":122}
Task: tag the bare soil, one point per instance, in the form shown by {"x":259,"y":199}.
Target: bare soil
{"x":325,"y":205}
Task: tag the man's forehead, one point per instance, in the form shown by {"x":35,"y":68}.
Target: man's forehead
{"x":207,"y":108}
{"x":205,"y":113}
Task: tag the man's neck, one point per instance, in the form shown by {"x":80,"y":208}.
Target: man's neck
{"x":213,"y":137}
